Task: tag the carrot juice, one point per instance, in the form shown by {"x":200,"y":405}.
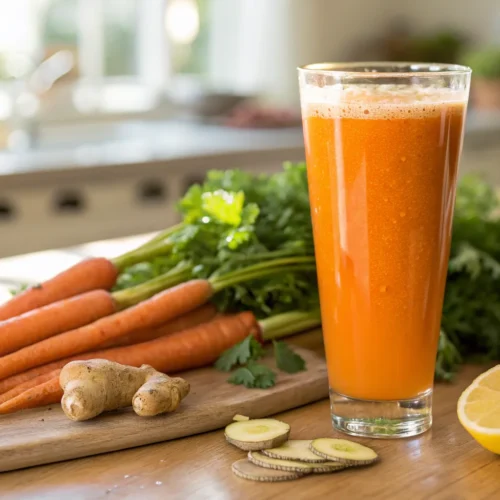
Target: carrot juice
{"x":382,"y":167}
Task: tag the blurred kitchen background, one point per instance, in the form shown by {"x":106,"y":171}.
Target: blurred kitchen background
{"x":110,"y":109}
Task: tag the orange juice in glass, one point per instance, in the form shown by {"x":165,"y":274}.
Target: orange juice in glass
{"x":383,"y":142}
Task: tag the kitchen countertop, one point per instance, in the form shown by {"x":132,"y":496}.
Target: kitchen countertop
{"x":117,"y":143}
{"x":444,"y":463}
{"x":81,"y":146}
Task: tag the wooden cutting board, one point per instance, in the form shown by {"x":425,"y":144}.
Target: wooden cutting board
{"x":45,"y":435}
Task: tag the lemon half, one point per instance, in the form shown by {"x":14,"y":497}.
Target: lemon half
{"x":479,"y":409}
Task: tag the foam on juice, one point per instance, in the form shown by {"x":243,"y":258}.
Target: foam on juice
{"x":384,"y":101}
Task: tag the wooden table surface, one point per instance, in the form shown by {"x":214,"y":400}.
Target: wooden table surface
{"x":444,"y":463}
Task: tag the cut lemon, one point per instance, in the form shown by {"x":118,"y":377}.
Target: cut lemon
{"x":479,"y":409}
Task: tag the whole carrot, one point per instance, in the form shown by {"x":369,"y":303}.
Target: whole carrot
{"x":192,"y":348}
{"x":193,"y":318}
{"x":53,"y":319}
{"x":151,"y":313}
{"x":18,"y":389}
{"x":44,"y":394}
{"x":90,"y":274}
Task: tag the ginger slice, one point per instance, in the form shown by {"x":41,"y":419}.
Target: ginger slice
{"x":262,"y":460}
{"x":247,"y":470}
{"x":294,"y":449}
{"x":257,"y":434}
{"x":343,"y":451}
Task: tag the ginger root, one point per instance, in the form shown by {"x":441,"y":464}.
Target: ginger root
{"x":160,"y":394}
{"x":94,"y":386}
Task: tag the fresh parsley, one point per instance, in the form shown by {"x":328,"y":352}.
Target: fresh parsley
{"x":254,"y":375}
{"x":246,"y":350}
{"x":286,"y":359}
{"x":471,"y":312}
{"x":233,"y":219}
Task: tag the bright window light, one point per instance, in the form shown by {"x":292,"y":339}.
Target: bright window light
{"x":182,"y":21}
{"x":17,"y":26}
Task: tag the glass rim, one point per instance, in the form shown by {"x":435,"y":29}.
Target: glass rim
{"x":355,"y":69}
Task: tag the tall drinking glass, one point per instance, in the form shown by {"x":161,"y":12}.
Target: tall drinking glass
{"x":383,"y":142}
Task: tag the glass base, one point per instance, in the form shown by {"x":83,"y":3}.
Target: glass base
{"x":381,"y":419}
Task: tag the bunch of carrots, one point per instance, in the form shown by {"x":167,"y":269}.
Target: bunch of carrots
{"x":168,"y":321}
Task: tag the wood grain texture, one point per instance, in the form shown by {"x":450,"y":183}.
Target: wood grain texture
{"x":443,"y":464}
{"x":46,"y":435}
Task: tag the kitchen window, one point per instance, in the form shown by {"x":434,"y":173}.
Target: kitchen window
{"x":98,"y":57}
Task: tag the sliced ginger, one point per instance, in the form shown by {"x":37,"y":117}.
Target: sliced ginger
{"x":294,"y":449}
{"x":343,"y":451}
{"x":247,"y":470}
{"x":271,"y":457}
{"x":258,"y":458}
{"x":94,"y":386}
{"x":257,"y":434}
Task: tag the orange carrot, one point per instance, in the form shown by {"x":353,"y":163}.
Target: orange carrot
{"x":151,"y":313}
{"x":21,"y":378}
{"x":194,"y":318}
{"x":44,"y":394}
{"x":15,"y":380}
{"x":28,"y":385}
{"x":91,"y":274}
{"x":197,"y":346}
{"x":53,"y":319}
{"x":192,"y":348}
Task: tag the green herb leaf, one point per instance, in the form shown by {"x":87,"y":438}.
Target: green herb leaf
{"x":243,"y":352}
{"x":225,"y":206}
{"x":264,"y":376}
{"x":242,"y":376}
{"x":253,"y":376}
{"x":287,"y":360}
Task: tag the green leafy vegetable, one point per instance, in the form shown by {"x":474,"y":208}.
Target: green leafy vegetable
{"x":287,"y":360}
{"x":253,"y":376}
{"x":471,"y":310}
{"x":243,"y":352}
{"x":234,"y":219}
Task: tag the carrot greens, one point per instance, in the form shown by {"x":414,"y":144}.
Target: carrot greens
{"x":235,"y":221}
